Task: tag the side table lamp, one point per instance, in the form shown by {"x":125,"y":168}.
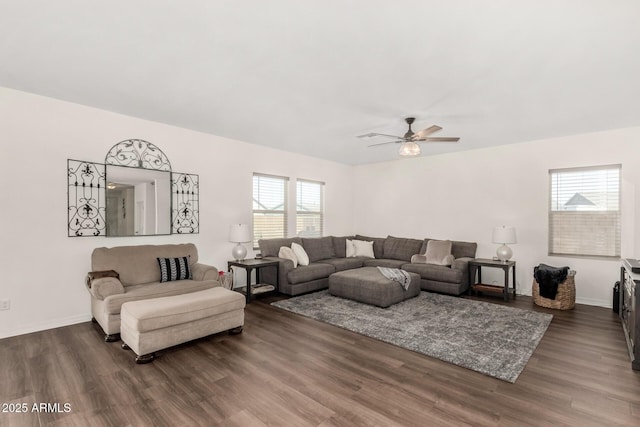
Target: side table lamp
{"x":504,"y":235}
{"x":239,"y":233}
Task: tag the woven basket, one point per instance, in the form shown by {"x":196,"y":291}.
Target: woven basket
{"x":565,"y":298}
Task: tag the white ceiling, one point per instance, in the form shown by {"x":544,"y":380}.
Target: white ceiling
{"x":308,"y":76}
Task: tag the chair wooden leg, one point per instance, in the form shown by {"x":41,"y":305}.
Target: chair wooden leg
{"x":111,"y":337}
{"x":145,"y":358}
{"x":125,"y":346}
{"x":235,"y":331}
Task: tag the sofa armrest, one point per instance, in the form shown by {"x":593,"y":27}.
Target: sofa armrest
{"x":463,"y":265}
{"x":105,"y":286}
{"x":268,"y":275}
{"x":418,"y":259}
{"x":204,"y":272}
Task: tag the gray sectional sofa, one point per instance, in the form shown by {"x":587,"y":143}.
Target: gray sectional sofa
{"x":327,"y":255}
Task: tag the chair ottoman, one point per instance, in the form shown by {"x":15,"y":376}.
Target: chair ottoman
{"x":369,"y":286}
{"x":158,"y":323}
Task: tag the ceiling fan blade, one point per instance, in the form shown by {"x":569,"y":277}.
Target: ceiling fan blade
{"x":441,"y":139}
{"x":373,"y":134}
{"x":428,"y":131}
{"x":382,"y":143}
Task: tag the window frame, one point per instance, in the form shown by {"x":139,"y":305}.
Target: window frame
{"x":320,"y":213}
{"x":553,"y":215}
{"x":284,"y":211}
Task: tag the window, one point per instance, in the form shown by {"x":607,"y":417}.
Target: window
{"x":269,"y":207}
{"x":584,"y":211}
{"x":309,"y":208}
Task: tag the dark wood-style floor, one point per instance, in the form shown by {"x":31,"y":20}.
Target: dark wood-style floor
{"x":287,"y":370}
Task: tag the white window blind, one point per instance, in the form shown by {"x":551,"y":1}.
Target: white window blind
{"x":269,"y":207}
{"x":584,"y":211}
{"x":309,"y":208}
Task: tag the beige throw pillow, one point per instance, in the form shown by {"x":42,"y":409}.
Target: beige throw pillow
{"x":439,"y":252}
{"x":363,"y":248}
{"x":287,"y":253}
{"x":351,"y":250}
{"x":301,"y":254}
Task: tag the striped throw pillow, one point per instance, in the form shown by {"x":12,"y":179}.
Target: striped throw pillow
{"x":174,"y":269}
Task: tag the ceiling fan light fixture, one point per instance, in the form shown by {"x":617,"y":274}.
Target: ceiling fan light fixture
{"x":409,"y":149}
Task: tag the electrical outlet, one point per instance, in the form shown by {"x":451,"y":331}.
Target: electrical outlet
{"x":5,"y":304}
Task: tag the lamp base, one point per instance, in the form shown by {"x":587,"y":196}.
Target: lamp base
{"x":239,"y":252}
{"x":504,"y":253}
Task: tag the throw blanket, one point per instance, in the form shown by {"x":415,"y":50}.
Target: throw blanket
{"x":549,"y":278}
{"x":396,"y":275}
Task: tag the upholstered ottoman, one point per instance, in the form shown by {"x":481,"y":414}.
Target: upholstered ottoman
{"x":158,"y":323}
{"x":369,"y":286}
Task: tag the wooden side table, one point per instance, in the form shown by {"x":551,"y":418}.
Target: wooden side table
{"x":255,"y":264}
{"x":476,"y":265}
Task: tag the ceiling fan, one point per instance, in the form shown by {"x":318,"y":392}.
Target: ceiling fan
{"x":410,"y":139}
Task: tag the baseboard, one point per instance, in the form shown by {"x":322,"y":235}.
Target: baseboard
{"x":596,"y":302}
{"x":49,"y":324}
{"x":585,"y":301}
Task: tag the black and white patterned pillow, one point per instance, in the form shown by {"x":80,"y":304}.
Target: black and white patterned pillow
{"x":174,"y":269}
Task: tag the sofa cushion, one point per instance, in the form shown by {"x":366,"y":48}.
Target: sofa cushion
{"x":438,"y":273}
{"x":306,"y":273}
{"x":458,"y":249}
{"x":340,"y":245}
{"x":463,"y":249}
{"x":113,"y":303}
{"x":138,"y":264}
{"x":384,"y":262}
{"x":319,"y":248}
{"x":378,"y":244}
{"x":341,"y":264}
{"x":271,"y":247}
{"x":174,"y":269}
{"x":401,"y":248}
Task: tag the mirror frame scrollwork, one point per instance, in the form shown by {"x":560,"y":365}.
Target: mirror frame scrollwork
{"x":86,"y":189}
{"x":185,"y":203}
{"x":137,"y":153}
{"x":86,"y":198}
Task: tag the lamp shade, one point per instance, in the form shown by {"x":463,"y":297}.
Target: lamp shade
{"x":504,"y":234}
{"x":239,"y":233}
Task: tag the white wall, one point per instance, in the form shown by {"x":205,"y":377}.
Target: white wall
{"x":458,"y":196}
{"x":463,"y":195}
{"x":43,"y":270}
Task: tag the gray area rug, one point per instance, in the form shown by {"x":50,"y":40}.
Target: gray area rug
{"x":488,"y":338}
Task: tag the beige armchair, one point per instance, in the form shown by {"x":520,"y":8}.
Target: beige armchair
{"x":134,"y":274}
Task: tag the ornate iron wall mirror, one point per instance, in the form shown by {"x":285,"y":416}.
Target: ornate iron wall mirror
{"x":133,"y":194}
{"x":138,"y":201}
